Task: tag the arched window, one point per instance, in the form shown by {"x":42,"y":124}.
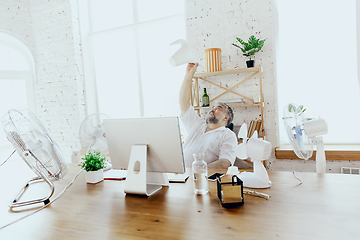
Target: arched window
{"x":16,"y":79}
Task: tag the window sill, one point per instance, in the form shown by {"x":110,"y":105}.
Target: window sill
{"x":349,"y":152}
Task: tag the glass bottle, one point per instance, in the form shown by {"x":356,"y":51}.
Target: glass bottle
{"x":200,"y":174}
{"x":205,"y":99}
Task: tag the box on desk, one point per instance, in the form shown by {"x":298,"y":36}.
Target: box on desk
{"x":230,"y":191}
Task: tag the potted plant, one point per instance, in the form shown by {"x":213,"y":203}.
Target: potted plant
{"x":249,"y":48}
{"x":93,"y":164}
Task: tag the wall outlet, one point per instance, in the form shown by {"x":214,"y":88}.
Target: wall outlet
{"x":349,"y":170}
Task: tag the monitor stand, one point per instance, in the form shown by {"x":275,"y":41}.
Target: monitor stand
{"x":142,"y":182}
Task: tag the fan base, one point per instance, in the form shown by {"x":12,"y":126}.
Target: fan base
{"x":250,"y":181}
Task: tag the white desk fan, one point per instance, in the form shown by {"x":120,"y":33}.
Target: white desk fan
{"x":258,"y":150}
{"x":92,"y":135}
{"x":34,"y":144}
{"x":302,"y":133}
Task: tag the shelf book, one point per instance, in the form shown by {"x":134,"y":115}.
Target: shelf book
{"x":255,"y":125}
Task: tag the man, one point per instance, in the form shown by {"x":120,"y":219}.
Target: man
{"x":210,"y":136}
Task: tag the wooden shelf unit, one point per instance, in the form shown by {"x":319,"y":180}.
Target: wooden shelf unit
{"x":195,"y":94}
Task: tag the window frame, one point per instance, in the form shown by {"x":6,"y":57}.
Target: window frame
{"x":27,"y":75}
{"x":281,"y":141}
{"x":87,"y":33}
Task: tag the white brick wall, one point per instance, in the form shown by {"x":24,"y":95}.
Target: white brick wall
{"x":15,"y":19}
{"x":60,"y":84}
{"x":211,"y":23}
{"x":51,"y":30}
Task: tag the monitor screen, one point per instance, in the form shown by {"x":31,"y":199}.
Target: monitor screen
{"x":161,"y":135}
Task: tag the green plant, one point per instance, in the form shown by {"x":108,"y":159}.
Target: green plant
{"x":251,"y":47}
{"x":93,"y":161}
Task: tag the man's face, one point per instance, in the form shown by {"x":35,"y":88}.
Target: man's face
{"x":216,"y":114}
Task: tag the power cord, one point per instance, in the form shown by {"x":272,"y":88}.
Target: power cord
{"x":297,"y":178}
{"x":38,"y":210}
{"x":8,"y":158}
{"x":264,"y":195}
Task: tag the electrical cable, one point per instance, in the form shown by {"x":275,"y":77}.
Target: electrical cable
{"x":264,"y":195}
{"x":297,"y":178}
{"x":8,"y":158}
{"x":38,"y":210}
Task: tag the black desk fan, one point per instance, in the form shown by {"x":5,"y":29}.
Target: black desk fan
{"x":40,"y":152}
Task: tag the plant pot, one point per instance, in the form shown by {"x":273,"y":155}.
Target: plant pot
{"x":250,"y":63}
{"x":94,"y":176}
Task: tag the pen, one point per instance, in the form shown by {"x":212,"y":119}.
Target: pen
{"x":119,"y":179}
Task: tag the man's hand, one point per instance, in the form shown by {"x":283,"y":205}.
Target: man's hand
{"x":221,"y":164}
{"x":191,"y":69}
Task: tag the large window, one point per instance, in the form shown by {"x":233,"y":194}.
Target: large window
{"x":16,"y":79}
{"x":317,"y":64}
{"x":129,"y":44}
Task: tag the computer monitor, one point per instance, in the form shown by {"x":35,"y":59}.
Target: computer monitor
{"x":143,"y":145}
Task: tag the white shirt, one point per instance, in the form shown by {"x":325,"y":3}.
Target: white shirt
{"x":216,"y":144}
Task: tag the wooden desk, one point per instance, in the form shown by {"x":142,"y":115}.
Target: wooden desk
{"x":325,"y":206}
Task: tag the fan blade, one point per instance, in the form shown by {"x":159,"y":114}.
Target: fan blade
{"x":289,"y":132}
{"x":92,"y":133}
{"x":86,"y":141}
{"x":89,"y":127}
{"x":44,"y":151}
{"x":58,"y":159}
{"x":241,"y":151}
{"x":255,"y":134}
{"x":100,"y":144}
{"x":99,"y":133}
{"x":243,"y":132}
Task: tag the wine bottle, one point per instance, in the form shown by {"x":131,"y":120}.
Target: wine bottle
{"x":205,"y":99}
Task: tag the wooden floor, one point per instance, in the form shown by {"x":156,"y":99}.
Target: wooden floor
{"x":325,"y":206}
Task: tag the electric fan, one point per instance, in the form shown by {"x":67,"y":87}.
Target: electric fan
{"x":92,"y":135}
{"x":302,"y":133}
{"x":258,"y":150}
{"x":34,"y":144}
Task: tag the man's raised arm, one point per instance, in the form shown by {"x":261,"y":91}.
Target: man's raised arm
{"x":185,"y":90}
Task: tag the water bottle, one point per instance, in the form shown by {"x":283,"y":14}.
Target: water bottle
{"x":200,"y":173}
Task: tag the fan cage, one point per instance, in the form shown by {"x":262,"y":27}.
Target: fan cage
{"x":33,"y":143}
{"x":294,"y":125}
{"x":88,"y":127}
